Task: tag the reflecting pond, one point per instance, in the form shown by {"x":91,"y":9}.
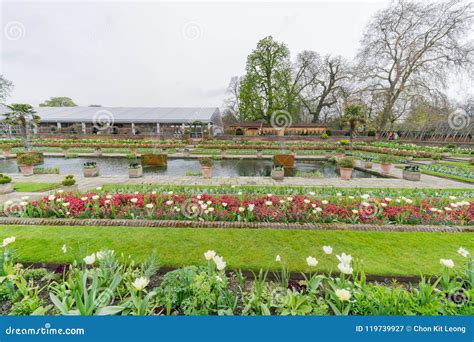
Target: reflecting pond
{"x":180,"y":166}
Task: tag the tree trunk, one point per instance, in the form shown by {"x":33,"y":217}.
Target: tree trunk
{"x":26,"y":138}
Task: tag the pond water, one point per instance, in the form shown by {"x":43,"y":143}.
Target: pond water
{"x":179,"y":167}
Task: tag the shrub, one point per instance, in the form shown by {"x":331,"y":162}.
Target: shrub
{"x":29,"y":158}
{"x":4,"y":179}
{"x":176,"y":286}
{"x":68,"y":180}
{"x":46,"y":170}
{"x":134,"y":165}
{"x":346,"y":163}
{"x":344,"y":142}
{"x":206,"y":162}
{"x":324,"y":136}
{"x":451,"y":146}
{"x":90,"y":165}
{"x":371,"y":133}
{"x":436,"y":156}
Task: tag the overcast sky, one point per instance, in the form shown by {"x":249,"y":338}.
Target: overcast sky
{"x":159,"y":53}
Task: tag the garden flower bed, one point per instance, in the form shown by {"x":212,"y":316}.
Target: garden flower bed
{"x":308,"y":208}
{"x":106,"y":283}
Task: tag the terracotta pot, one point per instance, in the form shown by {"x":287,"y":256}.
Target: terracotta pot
{"x":368,"y":165}
{"x":223,"y":153}
{"x":98,"y":153}
{"x":411,"y":176}
{"x":259,"y":155}
{"x":206,"y":172}
{"x":6,"y":188}
{"x":133,"y":151}
{"x":7,"y":153}
{"x":65,"y":152}
{"x":278,"y":175}
{"x":91,"y":172}
{"x":346,"y":174}
{"x":26,"y":170}
{"x":135,"y":173}
{"x":339,"y":156}
{"x":386,"y":168}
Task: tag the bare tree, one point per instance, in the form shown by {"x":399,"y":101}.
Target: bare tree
{"x":410,"y":47}
{"x":321,"y":79}
{"x":232,"y":102}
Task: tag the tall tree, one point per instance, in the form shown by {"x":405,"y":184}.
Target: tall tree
{"x":321,"y":81}
{"x":24,"y":117}
{"x":353,"y":116}
{"x":6,"y":87}
{"x":62,"y":101}
{"x":409,"y":47}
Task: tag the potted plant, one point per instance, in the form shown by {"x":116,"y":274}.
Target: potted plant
{"x":98,"y":152}
{"x":90,"y":169}
{"x":206,"y":165}
{"x":69,"y":183}
{"x":278,"y":173}
{"x":223,"y":152}
{"x":65,"y":149}
{"x":133,"y":151}
{"x":7,"y":151}
{"x":135,"y":170}
{"x":26,"y":161}
{"x":340,"y":153}
{"x":386,"y":163}
{"x":259,"y":153}
{"x":6,"y":185}
{"x":346,"y":166}
{"x":368,"y":162}
{"x":412,"y":173}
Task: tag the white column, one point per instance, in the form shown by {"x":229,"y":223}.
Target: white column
{"x":83,"y":124}
{"x":58,"y":124}
{"x":157,"y":128}
{"x":133,"y":128}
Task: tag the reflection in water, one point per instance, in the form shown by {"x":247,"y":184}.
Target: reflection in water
{"x":179,"y":167}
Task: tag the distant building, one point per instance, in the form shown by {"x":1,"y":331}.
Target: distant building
{"x":258,"y":128}
{"x":127,"y":120}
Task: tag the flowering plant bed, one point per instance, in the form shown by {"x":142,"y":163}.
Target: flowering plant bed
{"x":132,"y":288}
{"x":253,"y":208}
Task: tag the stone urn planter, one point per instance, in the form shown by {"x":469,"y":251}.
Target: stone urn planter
{"x":368,"y":164}
{"x":278,"y":174}
{"x":98,"y":152}
{"x":135,"y":170}
{"x":90,"y":169}
{"x":206,"y":172}
{"x":411,"y":173}
{"x":386,"y":167}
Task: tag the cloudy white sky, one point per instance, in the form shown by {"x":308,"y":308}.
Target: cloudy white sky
{"x":154,"y":53}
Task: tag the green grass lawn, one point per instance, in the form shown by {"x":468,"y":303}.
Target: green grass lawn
{"x":381,"y":252}
{"x":35,"y":187}
{"x":448,"y":176}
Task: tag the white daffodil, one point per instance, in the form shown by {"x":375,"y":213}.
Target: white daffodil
{"x":90,"y":259}
{"x":311,"y":261}
{"x":447,"y":262}
{"x":343,"y":295}
{"x":463,"y":252}
{"x":209,"y":255}
{"x":140,"y":283}
{"x":8,"y":241}
{"x":327,"y":249}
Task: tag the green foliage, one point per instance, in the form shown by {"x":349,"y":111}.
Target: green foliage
{"x":29,"y":158}
{"x":346,"y":163}
{"x":61,"y":101}
{"x":175,"y":287}
{"x":4,"y":179}
{"x":46,"y":170}
{"x":324,"y":136}
{"x":68,"y":180}
{"x":206,"y":161}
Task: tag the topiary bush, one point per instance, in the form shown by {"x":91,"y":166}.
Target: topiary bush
{"x":4,"y":179}
{"x":68,"y":180}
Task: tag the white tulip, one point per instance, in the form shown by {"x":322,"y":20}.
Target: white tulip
{"x":83,"y":199}
{"x":311,"y":261}
{"x":327,"y":249}
{"x":345,"y":268}
{"x":312,"y":193}
{"x":134,"y":200}
{"x":170,"y":192}
{"x":25,"y":198}
{"x":277,"y":258}
{"x":306,"y":201}
{"x":344,"y":258}
{"x":289,"y":199}
{"x":224,"y":204}
{"x":95,"y":197}
{"x":98,"y":188}
{"x":365,"y":196}
{"x":198,"y":197}
{"x":218,"y":279}
{"x":209,"y":255}
{"x":343,"y":294}
{"x":268,"y":203}
{"x":463,"y":252}
{"x":149,"y":206}
{"x":220,"y":263}
{"x":447,"y":262}
{"x":108,"y":196}
{"x":64,"y":248}
{"x":170,"y":202}
{"x":140,"y":283}
{"x":51,"y":197}
{"x":338,"y":194}
{"x":90,"y":259}
{"x":23,"y":204}
{"x":251,"y":207}
{"x":59,"y":191}
{"x":354,"y":211}
{"x":8,"y":241}
{"x":324,"y":202}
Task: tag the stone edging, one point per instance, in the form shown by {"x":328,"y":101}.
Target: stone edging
{"x":233,"y":225}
